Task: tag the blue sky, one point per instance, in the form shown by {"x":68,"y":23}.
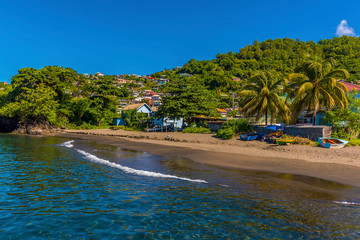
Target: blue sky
{"x":143,"y":37}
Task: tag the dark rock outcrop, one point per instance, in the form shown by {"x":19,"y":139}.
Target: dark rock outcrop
{"x":34,"y":127}
{"x":7,"y":124}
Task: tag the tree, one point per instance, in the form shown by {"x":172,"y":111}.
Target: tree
{"x":187,"y":97}
{"x":33,"y":104}
{"x":315,"y":86}
{"x":262,"y":96}
{"x":346,"y":121}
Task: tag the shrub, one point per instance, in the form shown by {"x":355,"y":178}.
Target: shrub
{"x":354,"y":142}
{"x":225,"y":133}
{"x":239,"y":125}
{"x":196,"y":130}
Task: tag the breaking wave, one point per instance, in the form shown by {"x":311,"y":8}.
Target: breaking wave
{"x":96,"y":159}
{"x":347,"y":203}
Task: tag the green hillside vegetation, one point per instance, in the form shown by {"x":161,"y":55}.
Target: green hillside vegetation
{"x":306,"y":72}
{"x":281,"y":55}
{"x":61,"y":96}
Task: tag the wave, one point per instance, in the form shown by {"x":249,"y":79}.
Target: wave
{"x":347,"y":203}
{"x":96,"y":159}
{"x":68,"y":144}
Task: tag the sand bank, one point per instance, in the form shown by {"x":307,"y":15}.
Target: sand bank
{"x":340,"y":165}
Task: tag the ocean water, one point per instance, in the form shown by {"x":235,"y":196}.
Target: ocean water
{"x":57,"y":188}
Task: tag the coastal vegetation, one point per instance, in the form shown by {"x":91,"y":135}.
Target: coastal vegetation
{"x":345,"y":121}
{"x":196,"y":129}
{"x":60,"y":96}
{"x":232,"y":127}
{"x":315,"y":86}
{"x":276,"y":80}
{"x":261,"y":97}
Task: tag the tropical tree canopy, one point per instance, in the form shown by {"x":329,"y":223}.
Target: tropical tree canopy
{"x":261,"y":97}
{"x":187,"y":97}
{"x":315,"y":85}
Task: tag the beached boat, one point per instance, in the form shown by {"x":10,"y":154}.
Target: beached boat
{"x":251,"y":136}
{"x":327,"y":142}
{"x":284,"y":141}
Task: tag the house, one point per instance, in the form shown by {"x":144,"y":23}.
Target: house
{"x":351,"y":87}
{"x":184,"y":74}
{"x":236,"y":79}
{"x":123,"y":103}
{"x":222,"y":112}
{"x":148,"y":93}
{"x":121,"y":81}
{"x":140,"y":108}
{"x":162,"y":81}
{"x":99,"y":74}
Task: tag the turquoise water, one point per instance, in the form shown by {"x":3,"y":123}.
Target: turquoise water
{"x":55,"y":188}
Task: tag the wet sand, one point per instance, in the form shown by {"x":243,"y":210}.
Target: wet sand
{"x":339,"y":165}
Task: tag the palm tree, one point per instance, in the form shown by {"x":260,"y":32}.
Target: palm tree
{"x":315,"y":86}
{"x":262,"y":96}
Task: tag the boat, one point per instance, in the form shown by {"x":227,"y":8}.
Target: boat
{"x":251,"y":136}
{"x":328,"y":142}
{"x":284,"y":141}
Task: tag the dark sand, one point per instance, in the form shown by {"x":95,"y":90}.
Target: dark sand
{"x":224,"y":155}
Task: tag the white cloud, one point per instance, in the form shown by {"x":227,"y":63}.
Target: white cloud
{"x":344,"y":29}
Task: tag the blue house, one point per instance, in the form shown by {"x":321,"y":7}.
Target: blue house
{"x":140,"y":108}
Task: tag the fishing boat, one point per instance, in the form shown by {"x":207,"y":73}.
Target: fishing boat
{"x":284,"y":141}
{"x":251,"y":136}
{"x":328,"y":142}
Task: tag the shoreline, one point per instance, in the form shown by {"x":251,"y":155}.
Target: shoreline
{"x":328,"y":164}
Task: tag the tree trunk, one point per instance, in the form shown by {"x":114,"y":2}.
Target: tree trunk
{"x":315,"y":112}
{"x":266,"y":117}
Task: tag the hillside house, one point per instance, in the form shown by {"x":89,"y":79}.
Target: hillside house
{"x":222,"y":112}
{"x":351,"y":87}
{"x":140,"y":108}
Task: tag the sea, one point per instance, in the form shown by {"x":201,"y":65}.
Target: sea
{"x":61,"y":188}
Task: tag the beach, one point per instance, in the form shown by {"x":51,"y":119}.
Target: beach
{"x":339,"y":165}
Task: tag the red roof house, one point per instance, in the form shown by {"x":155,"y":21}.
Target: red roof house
{"x":351,"y":86}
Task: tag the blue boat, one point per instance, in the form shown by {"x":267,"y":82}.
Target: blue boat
{"x":328,"y":142}
{"x":251,"y":136}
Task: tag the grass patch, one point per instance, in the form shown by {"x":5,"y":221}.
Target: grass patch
{"x":196,"y":130}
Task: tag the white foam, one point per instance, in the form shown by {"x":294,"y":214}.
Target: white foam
{"x":347,"y":203}
{"x":96,"y":159}
{"x":68,"y":144}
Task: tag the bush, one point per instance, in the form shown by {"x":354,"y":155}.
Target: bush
{"x":225,"y":133}
{"x":354,"y":142}
{"x":240,"y":125}
{"x":196,"y":130}
{"x":231,"y":127}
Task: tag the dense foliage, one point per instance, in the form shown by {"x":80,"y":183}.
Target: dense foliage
{"x":186,"y":97}
{"x":315,"y":86}
{"x":195,"y":129}
{"x":60,"y":96}
{"x":345,"y":121}
{"x":261,"y":97}
{"x":281,"y":55}
{"x":231,"y":127}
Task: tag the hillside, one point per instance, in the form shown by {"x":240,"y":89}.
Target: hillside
{"x":282,"y":55}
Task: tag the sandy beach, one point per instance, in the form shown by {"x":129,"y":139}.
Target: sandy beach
{"x":339,"y":165}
